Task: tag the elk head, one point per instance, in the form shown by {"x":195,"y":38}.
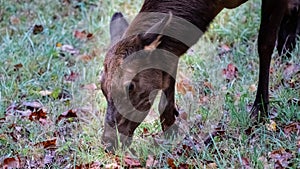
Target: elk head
{"x":134,"y":71}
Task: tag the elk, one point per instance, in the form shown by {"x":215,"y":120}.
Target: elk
{"x":143,"y":58}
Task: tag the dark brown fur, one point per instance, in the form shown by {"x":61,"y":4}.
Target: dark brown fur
{"x":277,"y":15}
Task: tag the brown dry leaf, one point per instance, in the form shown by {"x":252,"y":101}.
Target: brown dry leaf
{"x":290,"y":69}
{"x":112,"y":166}
{"x":252,"y":88}
{"x":11,"y":162}
{"x":92,"y":165}
{"x":85,"y":57}
{"x":281,"y":157}
{"x":291,"y":128}
{"x":272,"y":70}
{"x":265,"y":162}
{"x":231,"y":72}
{"x":18,"y":66}
{"x":246,"y":163}
{"x":80,"y":34}
{"x":225,"y":48}
{"x":38,"y":116}
{"x":184,"y":86}
{"x":132,"y":162}
{"x":212,"y":166}
{"x":171,"y":163}
{"x":145,"y":131}
{"x":47,"y":144}
{"x":14,"y":20}
{"x":204,"y":100}
{"x":272,"y":126}
{"x":183,"y":115}
{"x":151,"y":162}
{"x":37,"y":29}
{"x":83,"y":35}
{"x":89,"y":36}
{"x":67,"y":115}
{"x":73,"y":76}
{"x":70,"y":49}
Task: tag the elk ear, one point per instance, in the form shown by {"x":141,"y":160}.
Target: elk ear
{"x":152,"y":37}
{"x":118,"y":26}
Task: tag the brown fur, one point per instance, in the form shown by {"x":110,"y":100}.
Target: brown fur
{"x":139,"y":37}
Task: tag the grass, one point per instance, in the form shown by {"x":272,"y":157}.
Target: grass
{"x":31,"y":64}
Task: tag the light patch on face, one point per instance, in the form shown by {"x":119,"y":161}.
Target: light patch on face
{"x":153,"y":45}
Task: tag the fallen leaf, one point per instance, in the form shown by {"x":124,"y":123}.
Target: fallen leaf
{"x":145,"y":131}
{"x":132,"y":162}
{"x":171,"y":163}
{"x":204,"y":100}
{"x":246,"y":163}
{"x":38,"y":115}
{"x":66,"y":115}
{"x":14,"y":20}
{"x":281,"y":157}
{"x":272,"y":126}
{"x":45,"y":92}
{"x":85,"y":57}
{"x":83,"y":35}
{"x":80,"y":34}
{"x":37,"y":29}
{"x":252,"y":88}
{"x":73,"y":76}
{"x":11,"y":162}
{"x":113,"y":166}
{"x":183,"y":115}
{"x":89,"y":36}
{"x":212,"y":166}
{"x":47,"y":144}
{"x":93,"y":165}
{"x":290,"y":69}
{"x":184,"y":86}
{"x":231,"y":72}
{"x":32,"y":105}
{"x":293,"y":127}
{"x":225,"y":47}
{"x":70,"y":49}
{"x":151,"y":162}
{"x":18,"y":66}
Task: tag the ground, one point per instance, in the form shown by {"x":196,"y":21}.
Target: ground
{"x":52,"y":108}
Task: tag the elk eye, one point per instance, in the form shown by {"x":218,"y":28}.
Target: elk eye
{"x":130,"y":86}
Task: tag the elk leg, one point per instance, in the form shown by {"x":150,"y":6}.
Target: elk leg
{"x":167,"y":105}
{"x":271,"y":16}
{"x":289,"y":29}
